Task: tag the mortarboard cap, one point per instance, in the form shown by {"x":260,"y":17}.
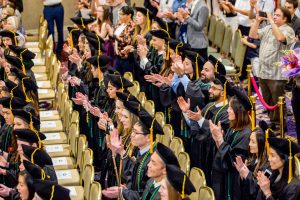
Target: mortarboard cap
{"x":37,"y":156}
{"x":15,"y":62}
{"x":146,"y":12}
{"x":15,"y":102}
{"x":179,"y":180}
{"x":166,"y":154}
{"x":22,"y":53}
{"x":133,"y":107}
{"x":50,"y":190}
{"x":218,"y":65}
{"x":29,"y":135}
{"x":242,"y":98}
{"x":178,"y":46}
{"x":74,"y":34}
{"x":286,"y":147}
{"x":195,"y":58}
{"x":82,"y":22}
{"x":12,"y":35}
{"x":119,"y":81}
{"x":35,"y":171}
{"x":123,"y":96}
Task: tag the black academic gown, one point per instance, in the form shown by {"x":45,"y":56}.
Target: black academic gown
{"x":203,"y":147}
{"x":5,"y":136}
{"x":154,"y":65}
{"x":149,"y":192}
{"x":249,"y":185}
{"x":226,"y":179}
{"x":289,"y":191}
{"x":137,"y":175}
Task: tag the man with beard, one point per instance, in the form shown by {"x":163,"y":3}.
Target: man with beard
{"x":203,"y":147}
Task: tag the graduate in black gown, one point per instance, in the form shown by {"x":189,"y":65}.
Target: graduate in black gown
{"x":177,"y":185}
{"x":150,"y":60}
{"x":202,"y":144}
{"x":41,"y":159}
{"x":25,"y":56}
{"x":135,"y":164}
{"x":156,"y":171}
{"x":50,"y":190}
{"x":282,"y":183}
{"x":226,"y":179}
{"x":258,"y":160}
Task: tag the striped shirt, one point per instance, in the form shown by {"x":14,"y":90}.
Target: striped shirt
{"x":270,"y":51}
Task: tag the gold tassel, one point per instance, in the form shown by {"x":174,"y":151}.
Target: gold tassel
{"x":178,"y":45}
{"x":32,"y":159}
{"x":168,"y":46}
{"x":183,"y":187}
{"x":151,"y":136}
{"x":225,"y":93}
{"x":87,"y":117}
{"x":52,"y":192}
{"x":216,"y":66}
{"x":82,"y":24}
{"x":43,"y":174}
{"x":290,"y":162}
{"x":15,"y":38}
{"x":267,"y":142}
{"x":99,"y":45}
{"x":99,"y":71}
{"x":167,"y":27}
{"x":148,"y":21}
{"x":12,"y":96}
{"x":21,"y":54}
{"x":197,"y":68}
{"x":24,"y":90}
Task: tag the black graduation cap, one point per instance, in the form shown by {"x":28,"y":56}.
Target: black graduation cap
{"x":29,"y":84}
{"x":146,"y":12}
{"x":15,"y":62}
{"x":37,"y":156}
{"x":82,"y":22}
{"x":51,"y":190}
{"x":29,"y":135}
{"x":243,"y":98}
{"x":15,"y":102}
{"x":179,"y":180}
{"x":163,"y":25}
{"x":161,"y":33}
{"x":119,"y":81}
{"x":100,"y":61}
{"x":26,"y":116}
{"x":178,"y":46}
{"x":150,"y":122}
{"x":15,"y":89}
{"x":123,"y":96}
{"x":195,"y":58}
{"x":12,"y":35}
{"x":74,"y":35}
{"x":133,"y":107}
{"x":227,"y":85}
{"x":94,"y":40}
{"x":22,"y":52}
{"x":286,"y":147}
{"x":218,"y":65}
{"x":166,"y":154}
{"x":35,"y":171}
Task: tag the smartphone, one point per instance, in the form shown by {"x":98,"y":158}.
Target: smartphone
{"x":262,"y":14}
{"x":267,"y":173}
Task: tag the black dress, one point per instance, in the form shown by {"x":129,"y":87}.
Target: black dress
{"x":289,"y":191}
{"x":203,"y":147}
{"x":226,"y":179}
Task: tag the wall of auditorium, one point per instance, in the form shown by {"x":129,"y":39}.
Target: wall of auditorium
{"x":33,"y":9}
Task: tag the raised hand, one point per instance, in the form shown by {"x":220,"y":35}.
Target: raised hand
{"x":96,"y":111}
{"x":183,"y":105}
{"x":241,"y":167}
{"x":116,"y":142}
{"x":196,"y":116}
{"x":264,"y":184}
{"x":217,"y":132}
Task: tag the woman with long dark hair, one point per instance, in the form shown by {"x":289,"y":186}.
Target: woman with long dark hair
{"x":258,"y":160}
{"x":226,"y":179}
{"x":282,"y":183}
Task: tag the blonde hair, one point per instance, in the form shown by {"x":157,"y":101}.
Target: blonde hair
{"x":172,"y":192}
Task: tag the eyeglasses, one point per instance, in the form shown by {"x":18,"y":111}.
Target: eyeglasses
{"x":137,"y":133}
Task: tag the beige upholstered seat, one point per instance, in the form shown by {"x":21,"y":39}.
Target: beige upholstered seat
{"x":95,"y":191}
{"x":177,"y":146}
{"x":184,"y":162}
{"x":68,"y":177}
{"x":197,"y":177}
